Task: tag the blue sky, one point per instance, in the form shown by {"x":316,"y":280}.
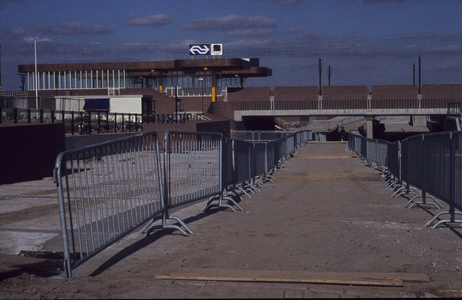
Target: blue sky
{"x":366,"y":42}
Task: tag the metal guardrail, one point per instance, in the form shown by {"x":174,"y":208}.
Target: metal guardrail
{"x":75,"y":122}
{"x":425,"y":166}
{"x":346,"y":104}
{"x":107,"y":190}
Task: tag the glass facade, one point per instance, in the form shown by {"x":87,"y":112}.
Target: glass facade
{"x":188,"y":84}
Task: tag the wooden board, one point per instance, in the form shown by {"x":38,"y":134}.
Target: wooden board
{"x":326,"y":156}
{"x":372,"y":176}
{"x":350,"y":278}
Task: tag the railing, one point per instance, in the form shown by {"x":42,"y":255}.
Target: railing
{"x":346,"y":104}
{"x":173,"y":118}
{"x":92,"y":122}
{"x":109,"y":189}
{"x":425,"y":166}
{"x":75,"y":122}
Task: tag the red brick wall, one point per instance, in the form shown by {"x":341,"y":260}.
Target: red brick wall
{"x":394,"y":92}
{"x":249,"y":94}
{"x":358,"y":92}
{"x":442,"y":91}
{"x":296,"y":93}
{"x":224,"y":109}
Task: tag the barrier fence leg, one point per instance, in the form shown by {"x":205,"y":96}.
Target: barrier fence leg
{"x":452,"y":212}
{"x":220,"y":198}
{"x":164,"y":225}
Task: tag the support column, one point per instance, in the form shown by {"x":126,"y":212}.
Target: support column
{"x":214,"y":84}
{"x":370,"y":127}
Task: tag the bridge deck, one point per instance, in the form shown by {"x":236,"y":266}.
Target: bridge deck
{"x":240,"y":114}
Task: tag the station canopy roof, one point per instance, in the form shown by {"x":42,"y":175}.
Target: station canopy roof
{"x":228,"y":67}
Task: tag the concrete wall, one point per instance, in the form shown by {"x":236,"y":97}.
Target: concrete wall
{"x":28,"y":152}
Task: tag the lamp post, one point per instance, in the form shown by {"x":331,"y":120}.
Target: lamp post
{"x":320,"y":72}
{"x":329,"y":73}
{"x":202,"y":79}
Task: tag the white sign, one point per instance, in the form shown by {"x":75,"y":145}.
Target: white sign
{"x":199,"y":49}
{"x":216,"y":49}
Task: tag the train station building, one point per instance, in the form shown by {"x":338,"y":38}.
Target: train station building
{"x":182,"y":78}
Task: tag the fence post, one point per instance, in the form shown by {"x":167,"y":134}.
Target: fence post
{"x":452,"y":177}
{"x":98,"y":122}
{"x":89,"y":122}
{"x":130,"y":123}
{"x":72,"y":123}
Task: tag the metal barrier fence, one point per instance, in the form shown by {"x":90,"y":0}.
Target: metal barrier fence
{"x":75,"y":121}
{"x":107,"y":190}
{"x":426,"y":165}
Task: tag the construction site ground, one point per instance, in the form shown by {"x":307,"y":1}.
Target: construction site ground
{"x":324,"y":228}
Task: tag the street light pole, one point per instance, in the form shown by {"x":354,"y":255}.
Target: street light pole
{"x":320,"y":72}
{"x":202,"y":79}
{"x":329,"y":73}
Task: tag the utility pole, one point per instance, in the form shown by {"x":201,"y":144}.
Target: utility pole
{"x":320,"y":72}
{"x":420,"y":86}
{"x":329,"y":73}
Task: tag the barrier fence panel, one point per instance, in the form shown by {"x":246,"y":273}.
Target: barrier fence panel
{"x":371,"y":145}
{"x":193,"y":166}
{"x":270,"y":156}
{"x":259,"y":159}
{"x":412,"y":160}
{"x":290,"y":144}
{"x":382,"y":152}
{"x":457,"y":142}
{"x":241,"y":161}
{"x":394,"y":160}
{"x":104,"y":192}
{"x":429,"y":162}
{"x":228,"y":162}
{"x":437,"y":165}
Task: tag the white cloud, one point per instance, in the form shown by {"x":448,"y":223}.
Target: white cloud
{"x":73,"y":28}
{"x":231,"y":22}
{"x":31,"y":39}
{"x":250,"y":32}
{"x":154,"y":20}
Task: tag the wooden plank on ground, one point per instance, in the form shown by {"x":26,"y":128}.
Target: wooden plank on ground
{"x":353,"y":278}
{"x":325,"y":156}
{"x":372,"y":176}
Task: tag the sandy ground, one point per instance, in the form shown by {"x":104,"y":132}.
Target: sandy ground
{"x":338,"y":219}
